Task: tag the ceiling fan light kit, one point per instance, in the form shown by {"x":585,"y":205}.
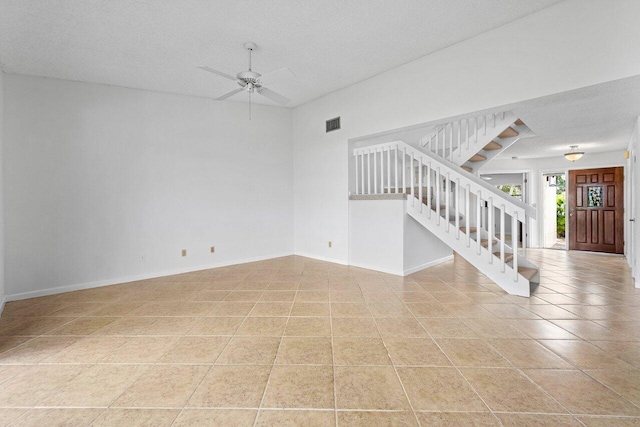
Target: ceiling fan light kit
{"x":574,"y":154}
{"x":250,"y":82}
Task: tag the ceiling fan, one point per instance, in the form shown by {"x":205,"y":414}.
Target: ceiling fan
{"x":250,"y":81}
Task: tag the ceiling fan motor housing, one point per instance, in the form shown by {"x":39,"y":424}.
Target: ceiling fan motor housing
{"x":249,"y":80}
{"x":248,"y":76}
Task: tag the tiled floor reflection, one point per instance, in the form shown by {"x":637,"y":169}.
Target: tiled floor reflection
{"x":294,"y":341}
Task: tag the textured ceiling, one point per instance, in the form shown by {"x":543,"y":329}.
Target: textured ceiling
{"x":597,"y":118}
{"x":157,"y":44}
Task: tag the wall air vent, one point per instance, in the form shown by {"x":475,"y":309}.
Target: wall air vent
{"x":333,"y":124}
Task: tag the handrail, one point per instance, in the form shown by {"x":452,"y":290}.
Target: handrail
{"x":451,"y":194}
{"x":512,"y":205}
{"x":447,"y":139}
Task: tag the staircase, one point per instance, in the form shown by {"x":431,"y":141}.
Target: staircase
{"x":462,"y":210}
{"x":471,"y":142}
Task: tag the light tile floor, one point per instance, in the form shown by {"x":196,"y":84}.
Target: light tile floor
{"x":294,"y":341}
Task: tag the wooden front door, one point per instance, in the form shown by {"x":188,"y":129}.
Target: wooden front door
{"x":596,"y":210}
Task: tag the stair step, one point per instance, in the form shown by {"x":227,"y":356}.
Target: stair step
{"x":471,"y":229}
{"x":527,"y":272}
{"x":507,"y":257}
{"x":519,"y":122}
{"x":478,"y":158}
{"x":467,"y":168}
{"x":492,"y":146}
{"x":508,"y":133}
{"x":485,"y":243}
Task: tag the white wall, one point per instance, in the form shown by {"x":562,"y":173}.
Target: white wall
{"x":2,"y":285}
{"x":377,"y":235}
{"x":421,"y":248}
{"x":384,"y":238}
{"x":564,"y":47}
{"x":632,"y":204}
{"x":104,"y":184}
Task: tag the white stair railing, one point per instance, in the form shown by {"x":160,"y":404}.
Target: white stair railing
{"x":448,"y":140}
{"x":441,"y":194}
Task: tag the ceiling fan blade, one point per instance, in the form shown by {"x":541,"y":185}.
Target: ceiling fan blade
{"x":276,"y":97}
{"x":219,"y":73}
{"x":230,"y":94}
{"x":281,"y":72}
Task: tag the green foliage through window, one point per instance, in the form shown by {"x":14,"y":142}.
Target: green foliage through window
{"x":560,"y":206}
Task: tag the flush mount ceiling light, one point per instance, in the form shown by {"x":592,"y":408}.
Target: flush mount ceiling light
{"x":574,"y":154}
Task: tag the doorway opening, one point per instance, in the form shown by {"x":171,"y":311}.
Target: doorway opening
{"x":516,"y":185}
{"x":554,"y":201}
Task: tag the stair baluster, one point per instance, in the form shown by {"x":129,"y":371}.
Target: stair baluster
{"x":443,"y":175}
{"x":502,"y":222}
{"x":514,"y":244}
{"x":490,"y":229}
{"x":457,"y":187}
{"x":420,"y":182}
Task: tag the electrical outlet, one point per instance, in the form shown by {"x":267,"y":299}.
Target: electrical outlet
{"x":213,"y":249}
{"x":330,"y":244}
{"x":184,"y":252}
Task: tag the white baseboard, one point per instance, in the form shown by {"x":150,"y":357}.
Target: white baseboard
{"x":126,"y":279}
{"x":378,"y":268}
{"x":405,"y":272}
{"x":119,"y":280}
{"x":321,"y":258}
{"x":428,"y":264}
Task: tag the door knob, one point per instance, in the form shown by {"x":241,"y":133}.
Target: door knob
{"x":632,"y":219}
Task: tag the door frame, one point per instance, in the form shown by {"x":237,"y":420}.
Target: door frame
{"x":573,"y":166}
{"x":526,"y":193}
{"x":555,"y":171}
{"x":567,"y":229}
{"x":629,"y":213}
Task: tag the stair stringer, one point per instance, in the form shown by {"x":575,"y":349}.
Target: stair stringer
{"x":485,"y":261}
{"x":484,"y":234}
{"x":522,"y":130}
{"x":480,"y":139}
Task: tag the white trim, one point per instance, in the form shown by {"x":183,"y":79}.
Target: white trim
{"x":407,"y":271}
{"x":412,"y":270}
{"x":378,"y":269}
{"x":541,"y":200}
{"x":321,"y":258}
{"x":2,"y":304}
{"x":116,"y":281}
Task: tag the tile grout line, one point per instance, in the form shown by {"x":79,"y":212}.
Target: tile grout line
{"x":273,"y":364}
{"x":448,"y":358}
{"x":333,"y":365}
{"x":395,"y":370}
{"x":206,"y":374}
{"x":331,"y":317}
{"x":521,"y":372}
